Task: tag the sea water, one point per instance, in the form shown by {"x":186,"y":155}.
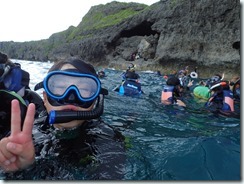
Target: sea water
{"x":165,"y":142}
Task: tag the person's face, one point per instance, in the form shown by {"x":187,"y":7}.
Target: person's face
{"x":71,"y":107}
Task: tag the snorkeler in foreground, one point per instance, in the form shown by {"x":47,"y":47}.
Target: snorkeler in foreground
{"x":74,"y":101}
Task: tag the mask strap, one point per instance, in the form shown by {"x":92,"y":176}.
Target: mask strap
{"x":38,"y":86}
{"x":104,"y":91}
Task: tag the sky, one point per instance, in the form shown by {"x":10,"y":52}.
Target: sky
{"x":30,"y":20}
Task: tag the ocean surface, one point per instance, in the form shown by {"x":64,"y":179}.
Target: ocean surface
{"x":166,"y":142}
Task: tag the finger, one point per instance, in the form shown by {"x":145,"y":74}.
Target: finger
{"x":2,"y":158}
{"x":6,"y":156}
{"x":14,"y":148}
{"x":4,"y":162}
{"x":24,"y":153}
{"x":15,"y":117}
{"x":29,"y":119}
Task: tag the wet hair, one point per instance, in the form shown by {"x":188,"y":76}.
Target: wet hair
{"x":173,"y":81}
{"x":131,"y":75}
{"x":3,"y":58}
{"x":79,"y":64}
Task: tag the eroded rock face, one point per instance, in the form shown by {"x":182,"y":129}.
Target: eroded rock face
{"x":204,"y":32}
{"x":171,"y":32}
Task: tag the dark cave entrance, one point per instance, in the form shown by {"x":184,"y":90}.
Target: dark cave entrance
{"x":236,"y":45}
{"x":143,"y":29}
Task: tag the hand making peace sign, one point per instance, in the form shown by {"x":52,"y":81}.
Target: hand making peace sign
{"x":17,"y":151}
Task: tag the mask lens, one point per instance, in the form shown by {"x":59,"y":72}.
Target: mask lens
{"x":60,"y":84}
{"x":13,"y":79}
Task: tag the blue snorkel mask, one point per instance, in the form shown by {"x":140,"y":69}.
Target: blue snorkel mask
{"x":71,"y":87}
{"x":13,"y":78}
{"x":65,"y":87}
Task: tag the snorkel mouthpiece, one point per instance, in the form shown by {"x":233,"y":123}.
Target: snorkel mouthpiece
{"x":56,"y":117}
{"x":67,"y":116}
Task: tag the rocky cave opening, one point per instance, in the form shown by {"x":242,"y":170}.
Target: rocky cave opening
{"x":236,"y":45}
{"x":143,"y":29}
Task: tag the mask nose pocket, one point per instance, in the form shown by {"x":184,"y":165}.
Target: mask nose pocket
{"x":72,"y":96}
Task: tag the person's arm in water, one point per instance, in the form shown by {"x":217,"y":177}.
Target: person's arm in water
{"x":17,"y":151}
{"x":180,"y":103}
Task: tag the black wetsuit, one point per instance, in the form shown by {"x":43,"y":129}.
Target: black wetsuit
{"x":93,"y":151}
{"x":5,"y":107}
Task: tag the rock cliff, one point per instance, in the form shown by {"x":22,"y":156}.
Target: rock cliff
{"x":169,"y":34}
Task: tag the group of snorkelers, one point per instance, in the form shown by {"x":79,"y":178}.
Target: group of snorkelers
{"x":219,"y":94}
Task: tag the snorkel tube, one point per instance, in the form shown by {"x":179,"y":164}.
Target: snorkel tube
{"x":67,"y":116}
{"x":217,"y":85}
